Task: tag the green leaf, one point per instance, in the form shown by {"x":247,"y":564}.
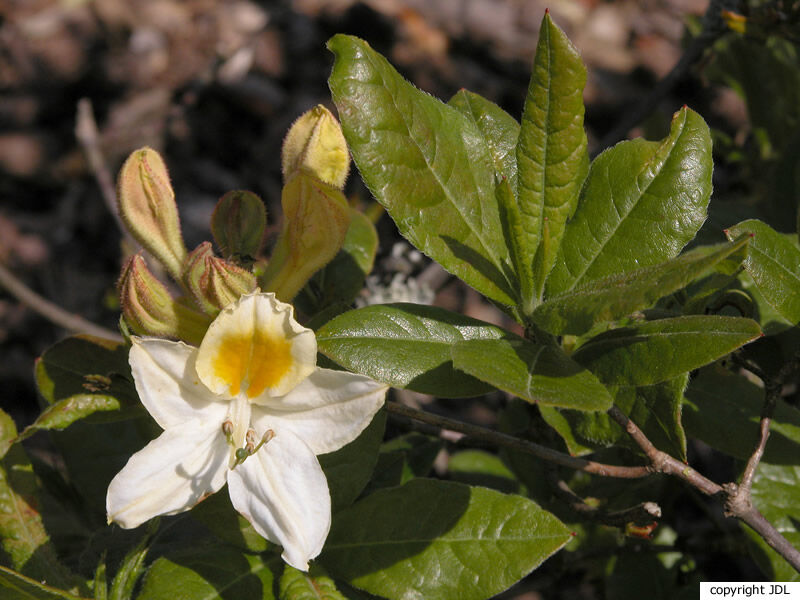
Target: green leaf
{"x":75,"y":376}
{"x":556,"y":419}
{"x":93,"y":373}
{"x":479,"y":541}
{"x":65,"y":412}
{"x":403,"y":458}
{"x":538,"y":373}
{"x":656,"y":409}
{"x":315,"y":585}
{"x":426,"y":163}
{"x":641,"y":203}
{"x":15,"y":586}
{"x":499,"y":129}
{"x":655,"y":351}
{"x":217,"y":513}
{"x":132,"y":567}
{"x":718,"y":396}
{"x":406,"y":346}
{"x":637,"y":574}
{"x":774,"y":264}
{"x":340,"y":281}
{"x":776,"y":493}
{"x":478,"y":467}
{"x":348,"y":469}
{"x":617,"y":296}
{"x":518,"y":241}
{"x":210,"y":573}
{"x":551,"y":153}
{"x":24,"y":539}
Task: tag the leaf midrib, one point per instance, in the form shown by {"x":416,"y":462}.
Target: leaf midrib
{"x":642,"y":192}
{"x":495,"y":259}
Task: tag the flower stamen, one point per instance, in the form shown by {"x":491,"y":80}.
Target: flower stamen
{"x":250,"y":446}
{"x":227,"y":429}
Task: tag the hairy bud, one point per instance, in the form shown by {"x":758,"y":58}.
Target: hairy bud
{"x":214,"y":282}
{"x":315,"y":145}
{"x":149,"y":309}
{"x":147,"y":207}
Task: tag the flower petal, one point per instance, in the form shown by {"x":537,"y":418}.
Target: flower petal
{"x":255,"y":347}
{"x":327,"y":410}
{"x":169,"y":475}
{"x":167,"y":383}
{"x":282,"y":491}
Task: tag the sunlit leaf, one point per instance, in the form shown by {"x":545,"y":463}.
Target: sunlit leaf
{"x":538,"y":373}
{"x":617,"y":296}
{"x":551,"y":153}
{"x":406,"y":346}
{"x":654,"y":351}
{"x":774,"y":264}
{"x":642,"y":202}
{"x":426,"y":163}
{"x":440,"y":540}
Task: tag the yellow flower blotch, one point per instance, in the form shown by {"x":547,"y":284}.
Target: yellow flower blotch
{"x":254,"y":363}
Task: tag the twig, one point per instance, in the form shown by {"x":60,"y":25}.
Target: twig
{"x":713,"y":29}
{"x":507,"y":441}
{"x":89,"y":139}
{"x":661,"y":462}
{"x":738,"y":502}
{"x":641,"y":515}
{"x":772,"y":391}
{"x":56,"y":314}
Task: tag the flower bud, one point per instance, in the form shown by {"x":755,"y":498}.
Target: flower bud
{"x":214,"y":282}
{"x":147,"y":207}
{"x":149,"y":309}
{"x":315,"y":144}
{"x":238,"y":225}
{"x":316,"y":218}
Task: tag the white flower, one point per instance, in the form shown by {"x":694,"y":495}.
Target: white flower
{"x":249,"y":407}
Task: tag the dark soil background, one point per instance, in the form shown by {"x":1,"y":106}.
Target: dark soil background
{"x":215,"y":84}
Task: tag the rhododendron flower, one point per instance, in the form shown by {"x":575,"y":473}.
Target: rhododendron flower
{"x":249,"y":407}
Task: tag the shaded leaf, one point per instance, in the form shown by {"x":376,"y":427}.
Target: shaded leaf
{"x":315,"y":585}
{"x":717,"y":396}
{"x":24,"y":539}
{"x":426,"y":163}
{"x":617,"y":296}
{"x":349,"y":469}
{"x":403,"y":458}
{"x":633,"y":573}
{"x":479,"y":540}
{"x":132,"y":567}
{"x":217,"y":513}
{"x":641,"y":203}
{"x":776,"y":493}
{"x":210,"y":573}
{"x":478,"y":467}
{"x":655,"y":351}
{"x":656,"y":409}
{"x":499,"y":129}
{"x":556,"y":419}
{"x":91,"y":372}
{"x":406,"y":346}
{"x":15,"y":586}
{"x":538,"y":373}
{"x":551,"y":154}
{"x":774,"y":264}
{"x":519,"y":243}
